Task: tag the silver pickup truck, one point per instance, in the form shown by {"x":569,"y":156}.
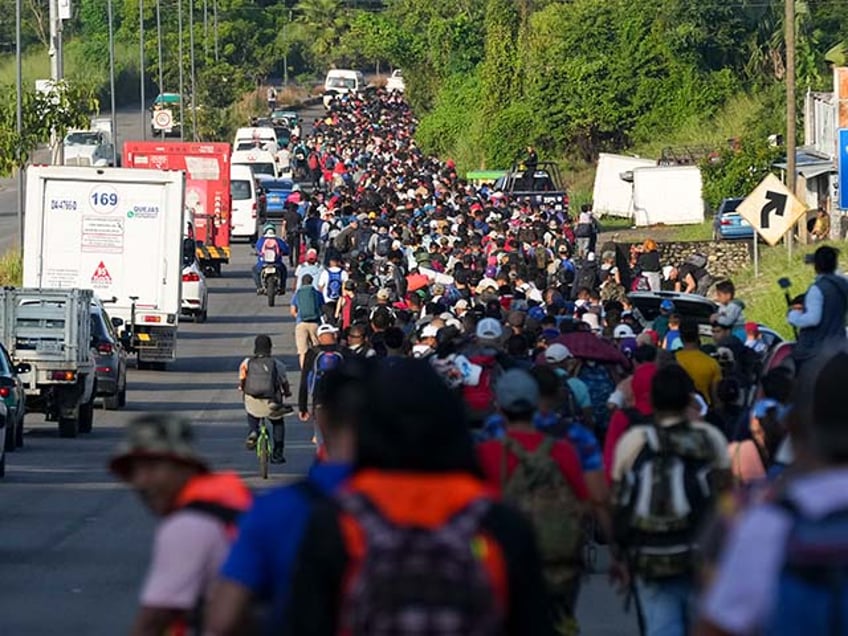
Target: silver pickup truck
{"x":50,"y":330}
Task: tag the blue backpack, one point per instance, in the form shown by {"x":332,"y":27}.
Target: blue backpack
{"x":324,"y":361}
{"x":334,"y":285}
{"x":812,"y":591}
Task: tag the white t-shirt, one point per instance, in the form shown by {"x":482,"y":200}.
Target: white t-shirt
{"x":188,"y":550}
{"x":315,"y":269}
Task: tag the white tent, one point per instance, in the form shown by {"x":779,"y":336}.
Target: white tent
{"x":671,"y":195}
{"x":613,"y":195}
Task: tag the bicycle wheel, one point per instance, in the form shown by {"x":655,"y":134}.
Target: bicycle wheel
{"x":263,"y":451}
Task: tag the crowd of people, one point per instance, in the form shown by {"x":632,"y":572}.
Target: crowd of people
{"x":488,"y":406}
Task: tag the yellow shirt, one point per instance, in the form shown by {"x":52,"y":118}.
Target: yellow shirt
{"x":704,"y":371}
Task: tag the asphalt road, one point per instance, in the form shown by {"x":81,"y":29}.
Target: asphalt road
{"x":74,"y":543}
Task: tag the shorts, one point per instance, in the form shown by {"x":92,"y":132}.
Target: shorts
{"x":305,"y":336}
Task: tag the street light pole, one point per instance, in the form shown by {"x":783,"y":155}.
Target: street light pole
{"x":112,"y":83}
{"x":19,"y":119}
{"x":191,"y":58}
{"x":789,"y":27}
{"x":159,"y":43}
{"x":141,"y":66}
{"x":180,"y":53}
{"x":215,"y":20}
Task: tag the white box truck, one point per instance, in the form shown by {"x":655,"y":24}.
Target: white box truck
{"x":613,"y":192}
{"x":119,"y":233}
{"x":669,"y":195}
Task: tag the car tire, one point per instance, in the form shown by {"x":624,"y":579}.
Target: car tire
{"x":10,"y":437}
{"x":112,"y":402}
{"x":3,"y":465}
{"x":201,"y":316}
{"x":86,"y":417}
{"x":68,"y":427}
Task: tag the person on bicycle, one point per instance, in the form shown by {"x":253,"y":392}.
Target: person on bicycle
{"x":263,"y":381}
{"x":270,"y":247}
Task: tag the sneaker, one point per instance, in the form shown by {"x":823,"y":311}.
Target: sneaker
{"x":259,"y":291}
{"x":277,"y":456}
{"x":250,"y":442}
{"x":288,"y":409}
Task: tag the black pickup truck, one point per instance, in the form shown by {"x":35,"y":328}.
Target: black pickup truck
{"x":542,"y":185}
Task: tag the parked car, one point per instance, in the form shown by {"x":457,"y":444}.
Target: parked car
{"x":396,"y":82}
{"x":5,"y":424}
{"x":287,"y":118}
{"x":276,"y":192}
{"x":195,"y":291}
{"x":111,"y":358}
{"x":13,"y":397}
{"x":729,"y":224}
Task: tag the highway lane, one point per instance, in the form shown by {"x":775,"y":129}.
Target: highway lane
{"x":74,"y":543}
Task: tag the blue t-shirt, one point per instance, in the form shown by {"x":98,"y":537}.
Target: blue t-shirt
{"x":263,"y":557}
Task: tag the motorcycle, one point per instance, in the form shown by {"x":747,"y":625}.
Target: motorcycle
{"x":270,"y":277}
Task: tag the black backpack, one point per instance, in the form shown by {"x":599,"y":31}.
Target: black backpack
{"x":262,"y":379}
{"x":384,"y":245}
{"x":587,"y":277}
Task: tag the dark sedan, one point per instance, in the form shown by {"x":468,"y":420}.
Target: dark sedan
{"x":111,"y":359}
{"x":12,"y":396}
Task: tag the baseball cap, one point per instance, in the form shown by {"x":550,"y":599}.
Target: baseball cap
{"x":590,"y":256}
{"x":311,"y":255}
{"x":461,"y":304}
{"x":516,"y":318}
{"x":159,"y":436}
{"x":667,"y":305}
{"x":752,"y":327}
{"x":383,"y":294}
{"x":430,"y":331}
{"x":489,"y":329}
{"x":557,"y":353}
{"x":517,"y":392}
{"x":325,"y":329}
{"x":666,"y":271}
{"x":623,"y":331}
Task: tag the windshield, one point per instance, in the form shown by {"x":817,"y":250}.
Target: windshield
{"x":98,"y":329}
{"x":263,"y":168}
{"x":341,"y":82}
{"x":240,"y":190}
{"x":83,"y":139}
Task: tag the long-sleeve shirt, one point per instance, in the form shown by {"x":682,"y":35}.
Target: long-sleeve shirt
{"x":811,"y":315}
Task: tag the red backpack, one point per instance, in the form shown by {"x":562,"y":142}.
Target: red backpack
{"x":480,"y":398}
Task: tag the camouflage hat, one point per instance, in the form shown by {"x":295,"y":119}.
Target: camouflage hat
{"x":156,"y":437}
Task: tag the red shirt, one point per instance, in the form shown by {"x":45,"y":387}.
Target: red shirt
{"x":490,"y":455}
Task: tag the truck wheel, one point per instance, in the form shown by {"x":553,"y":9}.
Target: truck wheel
{"x":112,"y":402}
{"x":86,"y":417}
{"x":122,"y":397}
{"x":3,"y":465}
{"x":68,"y":426}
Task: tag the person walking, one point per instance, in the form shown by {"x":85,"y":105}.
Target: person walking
{"x":820,"y":318}
{"x":657,"y":514}
{"x":263,"y":381}
{"x":306,"y":309}
{"x":197,"y":511}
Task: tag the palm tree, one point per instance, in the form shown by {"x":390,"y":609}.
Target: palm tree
{"x":320,"y":25}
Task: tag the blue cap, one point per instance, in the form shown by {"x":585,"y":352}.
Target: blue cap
{"x":667,"y":305}
{"x":536,"y":313}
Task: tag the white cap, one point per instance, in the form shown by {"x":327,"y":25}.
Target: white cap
{"x":325,"y":329}
{"x":623,"y":331}
{"x":666,"y":271}
{"x":557,"y":353}
{"x":590,"y":256}
{"x":592,"y":320}
{"x":489,"y":329}
{"x":430,"y":331}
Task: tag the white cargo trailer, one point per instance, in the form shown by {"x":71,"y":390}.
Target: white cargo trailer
{"x":613,"y":193}
{"x":119,"y":233}
{"x":668,"y":195}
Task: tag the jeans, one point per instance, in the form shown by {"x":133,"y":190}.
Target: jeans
{"x":654,"y":280}
{"x":666,"y":605}
{"x":582,"y":244}
{"x":281,"y":272}
{"x":278,"y":430}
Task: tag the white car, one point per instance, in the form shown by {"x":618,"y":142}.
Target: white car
{"x":195,"y":294}
{"x":395,"y":81}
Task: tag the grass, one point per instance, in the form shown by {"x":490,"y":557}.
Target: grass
{"x":11,"y":269}
{"x":764,"y":300}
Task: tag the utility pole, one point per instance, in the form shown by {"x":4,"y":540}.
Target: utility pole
{"x":19,"y":119}
{"x":141,"y":66}
{"x":180,"y":53}
{"x":191,"y":57}
{"x":159,"y":44}
{"x":789,"y":27}
{"x":112,"y":83}
{"x":215,"y":21}
{"x":57,"y":70}
{"x":205,"y":30}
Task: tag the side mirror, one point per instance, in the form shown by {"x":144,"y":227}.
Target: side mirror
{"x":23,"y":367}
{"x":117,"y":322}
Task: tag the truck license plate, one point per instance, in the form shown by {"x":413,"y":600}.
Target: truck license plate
{"x":48,"y":346}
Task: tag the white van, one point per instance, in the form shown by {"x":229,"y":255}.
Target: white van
{"x":259,"y":161}
{"x":256,"y":138}
{"x":244,"y":208}
{"x":341,"y":82}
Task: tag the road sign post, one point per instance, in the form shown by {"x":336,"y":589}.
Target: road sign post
{"x":772,"y":210}
{"x":843,"y":168}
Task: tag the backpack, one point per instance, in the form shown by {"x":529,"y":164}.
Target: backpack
{"x":587,"y":277}
{"x":418,"y":581}
{"x":542,"y":258}
{"x":538,"y":489}
{"x":640,"y":284}
{"x":663,"y":498}
{"x":270,"y":251}
{"x":596,"y":376}
{"x":307,"y":304}
{"x":811,"y":594}
{"x":324,"y":361}
{"x":334,"y":285}
{"x":568,"y":413}
{"x":384,"y":245}
{"x":564,"y":275}
{"x":480,"y":398}
{"x":262,"y":379}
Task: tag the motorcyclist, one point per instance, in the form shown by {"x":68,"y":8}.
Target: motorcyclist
{"x":270,"y":245}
